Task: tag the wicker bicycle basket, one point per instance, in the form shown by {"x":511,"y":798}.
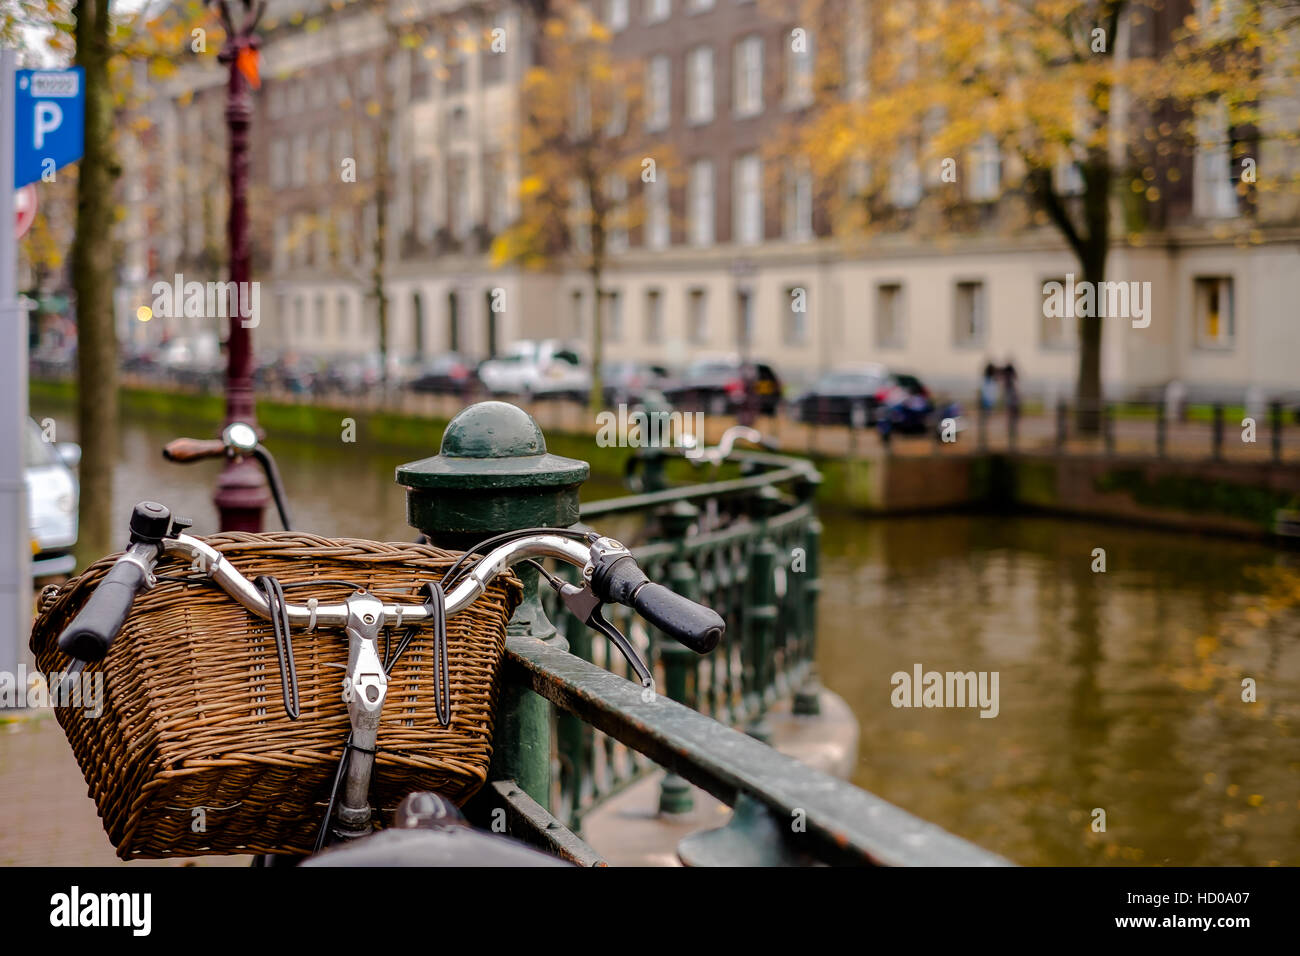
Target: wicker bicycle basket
{"x":193,"y":752}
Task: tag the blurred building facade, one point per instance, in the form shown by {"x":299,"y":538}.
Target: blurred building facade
{"x":718,"y":272}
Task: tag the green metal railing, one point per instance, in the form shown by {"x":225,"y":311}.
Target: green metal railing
{"x":748,"y":547}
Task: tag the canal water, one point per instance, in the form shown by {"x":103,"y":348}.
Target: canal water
{"x":1121,"y":734}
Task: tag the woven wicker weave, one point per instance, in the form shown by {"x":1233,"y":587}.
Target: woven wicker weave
{"x":194,"y":714}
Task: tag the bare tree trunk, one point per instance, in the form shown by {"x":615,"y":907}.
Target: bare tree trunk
{"x":377,"y":274}
{"x":93,"y":282}
{"x":596,"y":399}
{"x":1088,"y":392}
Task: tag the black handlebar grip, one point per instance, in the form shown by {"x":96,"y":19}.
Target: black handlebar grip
{"x":693,"y":625}
{"x":96,"y":625}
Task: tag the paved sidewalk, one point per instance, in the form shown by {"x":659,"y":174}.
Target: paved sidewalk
{"x":48,"y":818}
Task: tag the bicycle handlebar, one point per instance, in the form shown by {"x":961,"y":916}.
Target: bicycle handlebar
{"x":92,"y":631}
{"x":614,"y":573}
{"x":186,"y":450}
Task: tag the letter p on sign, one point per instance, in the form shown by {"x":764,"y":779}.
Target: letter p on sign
{"x":49,"y":117}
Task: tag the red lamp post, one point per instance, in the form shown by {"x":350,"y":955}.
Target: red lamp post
{"x":241,"y":493}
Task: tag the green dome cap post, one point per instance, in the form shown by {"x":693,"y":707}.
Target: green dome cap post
{"x":493,"y":474}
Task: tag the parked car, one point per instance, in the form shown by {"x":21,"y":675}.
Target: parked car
{"x":851,"y":395}
{"x":905,"y":406}
{"x":629,"y":382}
{"x":353,"y":375}
{"x":446,"y":374}
{"x":52,"y":494}
{"x":541,"y":369}
{"x":726,"y":385}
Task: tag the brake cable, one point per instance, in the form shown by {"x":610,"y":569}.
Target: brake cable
{"x":279,"y":608}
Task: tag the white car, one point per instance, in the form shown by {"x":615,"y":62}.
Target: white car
{"x":52,"y":493}
{"x":537,"y":369}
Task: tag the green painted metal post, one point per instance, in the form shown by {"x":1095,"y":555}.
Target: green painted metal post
{"x":680,"y":663}
{"x":808,"y":699}
{"x":762,"y":612}
{"x":491,"y":475}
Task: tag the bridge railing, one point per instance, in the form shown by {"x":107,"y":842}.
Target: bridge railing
{"x":571,"y":730}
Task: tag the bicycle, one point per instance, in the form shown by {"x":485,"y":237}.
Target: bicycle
{"x":609,"y":574}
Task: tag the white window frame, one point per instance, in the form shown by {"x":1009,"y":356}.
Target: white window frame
{"x":618,"y":14}
{"x":747,"y":76}
{"x":659,"y":91}
{"x":699,"y":85}
{"x":701,"y":202}
{"x":658,"y":222}
{"x":798,"y":73}
{"x":984,"y":170}
{"x":799,"y":202}
{"x":747,"y":224}
{"x":657,"y":11}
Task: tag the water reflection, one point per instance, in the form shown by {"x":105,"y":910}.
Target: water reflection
{"x":1120,"y":691}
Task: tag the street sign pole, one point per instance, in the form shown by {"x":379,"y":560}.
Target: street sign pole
{"x":15,"y":535}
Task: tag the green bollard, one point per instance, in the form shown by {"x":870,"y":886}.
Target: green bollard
{"x":680,"y":663}
{"x":491,"y":475}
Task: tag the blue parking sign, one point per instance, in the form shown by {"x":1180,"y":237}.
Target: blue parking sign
{"x":49,"y":121}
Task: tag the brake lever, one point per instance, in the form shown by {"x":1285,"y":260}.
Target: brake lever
{"x":586,"y":607}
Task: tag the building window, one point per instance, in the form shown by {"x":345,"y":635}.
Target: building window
{"x":905,"y":178}
{"x":1214,"y":193}
{"x":613,"y":316}
{"x":1216,"y":321}
{"x":344,"y":318}
{"x":744,"y":318}
{"x":616,"y":204}
{"x":798,"y":202}
{"x":796,"y":315}
{"x":890,"y":330}
{"x":747,"y":79}
{"x":970,"y":314}
{"x":654,"y":317}
{"x":697,"y":317}
{"x":798,"y":69}
{"x":1056,"y":332}
{"x":658,"y":232}
{"x":453,"y":322}
{"x":700,"y":202}
{"x":699,"y":85}
{"x":458,"y":196}
{"x":984,"y":172}
{"x":616,"y":14}
{"x":492,"y":67}
{"x":658,"y":93}
{"x":657,"y":11}
{"x":747,"y":200}
{"x":300,"y":316}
